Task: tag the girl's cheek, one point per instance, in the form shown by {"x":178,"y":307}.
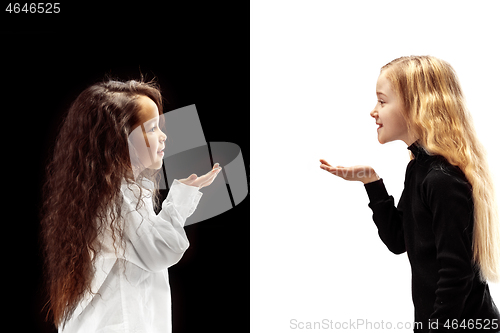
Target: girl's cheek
{"x":146,"y":139}
{"x":139,"y":148}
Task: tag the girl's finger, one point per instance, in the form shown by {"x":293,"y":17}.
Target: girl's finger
{"x":191,"y":179}
{"x":334,"y":171}
{"x":324,"y":162}
{"x":210,"y":178}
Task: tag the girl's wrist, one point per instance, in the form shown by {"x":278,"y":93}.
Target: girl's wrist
{"x":371,"y":179}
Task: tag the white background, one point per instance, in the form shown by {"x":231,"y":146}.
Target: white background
{"x":315,"y":252}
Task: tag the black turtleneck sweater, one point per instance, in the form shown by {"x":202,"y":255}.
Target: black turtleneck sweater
{"x":433,"y":223}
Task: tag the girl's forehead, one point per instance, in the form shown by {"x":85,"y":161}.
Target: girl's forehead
{"x":149,"y":109}
{"x":383,"y":85}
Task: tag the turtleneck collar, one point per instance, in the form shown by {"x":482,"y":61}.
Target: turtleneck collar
{"x":417,"y":150}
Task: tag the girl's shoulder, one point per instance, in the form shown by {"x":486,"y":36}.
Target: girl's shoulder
{"x":445,"y":175}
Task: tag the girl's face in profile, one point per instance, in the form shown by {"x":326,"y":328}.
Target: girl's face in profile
{"x":147,"y":139}
{"x":388,"y":114}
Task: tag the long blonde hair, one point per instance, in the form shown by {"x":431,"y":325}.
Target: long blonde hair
{"x":436,"y":113}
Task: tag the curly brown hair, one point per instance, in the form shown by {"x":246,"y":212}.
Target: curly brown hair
{"x":82,"y":189}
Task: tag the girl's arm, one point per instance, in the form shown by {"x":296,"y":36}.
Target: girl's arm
{"x":155,"y":242}
{"x":385,"y":215}
{"x":387,"y":218}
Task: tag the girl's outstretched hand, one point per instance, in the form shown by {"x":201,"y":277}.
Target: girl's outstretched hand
{"x":204,"y":180}
{"x":362,"y":173}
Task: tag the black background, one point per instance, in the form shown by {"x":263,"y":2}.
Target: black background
{"x":199,"y":52}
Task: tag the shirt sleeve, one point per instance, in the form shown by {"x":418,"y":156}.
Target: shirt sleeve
{"x":387,"y":217}
{"x":450,"y":201}
{"x":155,"y":242}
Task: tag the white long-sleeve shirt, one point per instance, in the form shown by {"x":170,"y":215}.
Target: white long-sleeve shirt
{"x":132,"y":288}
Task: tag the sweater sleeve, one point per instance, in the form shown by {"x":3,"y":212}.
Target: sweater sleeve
{"x":450,"y":201}
{"x":387,"y":217}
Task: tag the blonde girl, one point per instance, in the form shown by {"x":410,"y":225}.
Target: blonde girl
{"x":446,"y":219}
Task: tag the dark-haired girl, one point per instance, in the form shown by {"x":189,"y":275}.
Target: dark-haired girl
{"x":106,"y":250}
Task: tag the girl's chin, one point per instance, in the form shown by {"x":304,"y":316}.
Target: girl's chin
{"x":156,"y":165}
{"x":381,"y":139}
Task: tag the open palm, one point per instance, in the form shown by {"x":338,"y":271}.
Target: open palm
{"x":204,"y":180}
{"x":362,"y":173}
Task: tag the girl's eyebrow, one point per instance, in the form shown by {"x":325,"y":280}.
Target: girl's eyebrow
{"x":381,"y":93}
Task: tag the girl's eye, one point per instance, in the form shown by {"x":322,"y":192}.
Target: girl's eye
{"x":381,"y":102}
{"x":153,"y":129}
